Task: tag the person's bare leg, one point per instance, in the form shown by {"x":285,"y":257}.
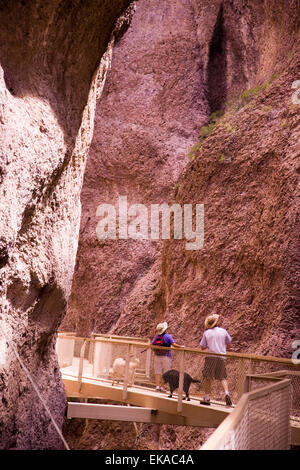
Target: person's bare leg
{"x":207,"y":389}
{"x":207,"y":386}
{"x":225,"y":386}
{"x":227,"y":397}
{"x":157,"y":380}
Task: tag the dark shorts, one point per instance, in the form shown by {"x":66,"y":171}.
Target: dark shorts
{"x":214,"y":368}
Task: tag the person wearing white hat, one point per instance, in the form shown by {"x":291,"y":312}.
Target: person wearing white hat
{"x":216,"y":340}
{"x":162,"y":359}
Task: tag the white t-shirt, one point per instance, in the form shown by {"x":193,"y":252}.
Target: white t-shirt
{"x":215,"y":339}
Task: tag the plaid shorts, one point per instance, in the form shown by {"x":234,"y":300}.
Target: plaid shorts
{"x":214,"y":368}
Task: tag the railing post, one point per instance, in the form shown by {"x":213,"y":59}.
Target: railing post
{"x":241,"y":377}
{"x":148,"y":362}
{"x":80,"y":368}
{"x":126,"y":372}
{"x":250,"y":367}
{"x":92,"y":348}
{"x":180,"y":386}
{"x":246,"y":387}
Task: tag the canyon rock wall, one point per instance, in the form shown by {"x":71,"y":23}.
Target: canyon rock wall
{"x":179,"y":63}
{"x":50,"y":55}
{"x":179,"y":66}
{"x":246,"y":173}
{"x":147,"y":119}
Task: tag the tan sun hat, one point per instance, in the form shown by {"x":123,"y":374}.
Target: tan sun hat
{"x":161,"y":328}
{"x":211,"y":320}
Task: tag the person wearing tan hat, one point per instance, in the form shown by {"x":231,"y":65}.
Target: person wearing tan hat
{"x":162,"y":359}
{"x":216,"y":340}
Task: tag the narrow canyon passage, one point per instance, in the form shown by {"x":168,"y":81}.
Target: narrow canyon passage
{"x":176,"y":101}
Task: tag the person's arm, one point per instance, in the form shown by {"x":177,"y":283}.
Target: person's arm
{"x":203,"y":343}
{"x":177,"y":345}
{"x":228,"y":341}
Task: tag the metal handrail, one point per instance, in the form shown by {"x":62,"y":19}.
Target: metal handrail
{"x":147,"y":346}
{"x":186,"y":349}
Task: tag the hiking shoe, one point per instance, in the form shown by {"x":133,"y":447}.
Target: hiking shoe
{"x":228,"y":400}
{"x":205,"y":402}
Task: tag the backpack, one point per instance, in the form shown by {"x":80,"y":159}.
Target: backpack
{"x":159,"y":342}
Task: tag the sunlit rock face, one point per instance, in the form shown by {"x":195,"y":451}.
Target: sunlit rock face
{"x":179,"y":62}
{"x":50,"y":55}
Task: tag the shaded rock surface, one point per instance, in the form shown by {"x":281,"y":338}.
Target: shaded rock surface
{"x":50,"y":55}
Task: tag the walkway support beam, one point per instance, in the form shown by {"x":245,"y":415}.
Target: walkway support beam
{"x":129,"y":413}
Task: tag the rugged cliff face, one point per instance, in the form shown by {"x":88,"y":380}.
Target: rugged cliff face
{"x":50,"y":55}
{"x":180,"y":66}
{"x":246,"y":173}
{"x":228,"y":65}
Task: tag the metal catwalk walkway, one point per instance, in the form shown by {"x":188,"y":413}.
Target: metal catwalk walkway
{"x":272,"y":397}
{"x":164,"y":409}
